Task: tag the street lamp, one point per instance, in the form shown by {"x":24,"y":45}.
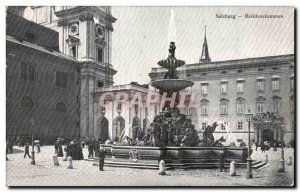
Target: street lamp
{"x":32,"y":141}
{"x":249,"y":117}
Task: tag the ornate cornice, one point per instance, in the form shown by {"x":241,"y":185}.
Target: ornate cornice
{"x":86,"y":17}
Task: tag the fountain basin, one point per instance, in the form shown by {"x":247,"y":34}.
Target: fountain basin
{"x":180,"y":154}
{"x":167,"y":85}
{"x":168,"y":63}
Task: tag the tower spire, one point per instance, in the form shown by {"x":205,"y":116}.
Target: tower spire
{"x":204,"y":55}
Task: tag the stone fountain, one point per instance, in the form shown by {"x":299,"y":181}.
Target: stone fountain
{"x":172,"y":136}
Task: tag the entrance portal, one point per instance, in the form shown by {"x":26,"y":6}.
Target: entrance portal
{"x":268,"y":135}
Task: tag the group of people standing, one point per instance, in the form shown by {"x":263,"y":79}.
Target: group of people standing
{"x":72,"y":149}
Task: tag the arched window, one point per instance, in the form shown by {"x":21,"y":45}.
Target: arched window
{"x":260,"y":104}
{"x":26,"y":103}
{"x":276,"y":104}
{"x":204,"y":106}
{"x":61,"y":107}
{"x":240,"y":105}
{"x":224,"y":106}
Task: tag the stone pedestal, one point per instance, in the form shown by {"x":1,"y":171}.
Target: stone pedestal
{"x":232,"y":170}
{"x":55,"y":160}
{"x":290,"y":161}
{"x":162,"y":168}
{"x":281,"y":166}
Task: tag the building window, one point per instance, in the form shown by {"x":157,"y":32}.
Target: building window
{"x":260,"y":69}
{"x":224,"y":106}
{"x":60,"y":79}
{"x":224,"y":109}
{"x":99,"y":54}
{"x":224,"y":87}
{"x":240,"y":87}
{"x":73,"y":51}
{"x":204,"y":74}
{"x":224,"y":72}
{"x":275,"y":84}
{"x":119,"y":107}
{"x":276,"y":106}
{"x":260,"y":107}
{"x":27,"y":72}
{"x":204,"y":106}
{"x":61,"y":107}
{"x":240,"y":125}
{"x":260,"y":104}
{"x":292,"y":83}
{"x":223,"y":125}
{"x":26,"y":103}
{"x":204,"y":89}
{"x":204,"y":110}
{"x":204,"y":125}
{"x":260,"y":86}
{"x":240,"y":105}
{"x":240,"y":108}
{"x":240,"y":71}
{"x":275,"y":68}
{"x":100,"y":84}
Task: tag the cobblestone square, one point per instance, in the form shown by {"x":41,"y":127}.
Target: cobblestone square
{"x":20,"y":172}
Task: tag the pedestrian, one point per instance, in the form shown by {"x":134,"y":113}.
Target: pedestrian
{"x":38,"y":147}
{"x":90,"y":149}
{"x":256,"y":146}
{"x":262,"y":147}
{"x":26,"y":150}
{"x":60,"y":150}
{"x":101,"y":159}
{"x":56,"y":147}
{"x":222,"y":161}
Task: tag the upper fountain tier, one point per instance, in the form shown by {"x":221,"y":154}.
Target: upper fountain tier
{"x":171,"y":82}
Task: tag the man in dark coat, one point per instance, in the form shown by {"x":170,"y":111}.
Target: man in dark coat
{"x":60,"y":150}
{"x":56,"y":147}
{"x":262,"y":147}
{"x":26,"y":150}
{"x":101,"y":159}
{"x":90,"y":149}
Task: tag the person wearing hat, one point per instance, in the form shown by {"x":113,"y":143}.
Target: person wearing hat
{"x":101,"y":158}
{"x":26,"y":150}
{"x":56,"y":146}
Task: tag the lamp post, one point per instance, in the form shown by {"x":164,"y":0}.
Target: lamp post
{"x":249,"y":117}
{"x":281,"y":140}
{"x":32,"y":141}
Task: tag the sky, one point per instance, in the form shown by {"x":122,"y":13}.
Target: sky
{"x":140,"y":36}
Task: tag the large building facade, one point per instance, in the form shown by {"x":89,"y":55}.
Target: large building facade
{"x":41,"y":82}
{"x":226,"y":90}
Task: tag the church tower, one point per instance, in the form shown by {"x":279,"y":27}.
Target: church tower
{"x":204,"y":55}
{"x":85,"y":33}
